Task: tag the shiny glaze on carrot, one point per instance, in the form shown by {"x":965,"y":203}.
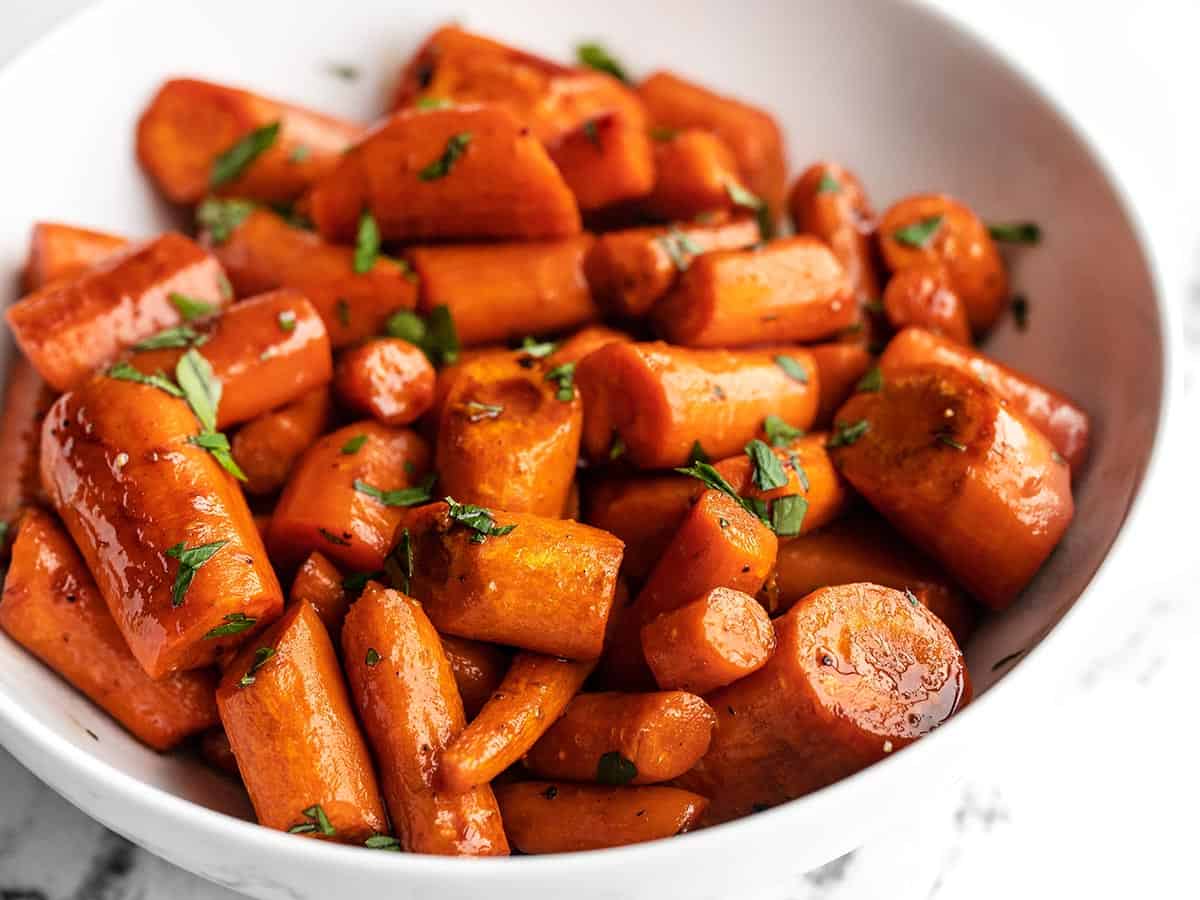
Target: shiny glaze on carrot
{"x":318,"y":583}
{"x":387,"y":378}
{"x":58,"y":251}
{"x":607,"y":160}
{"x":920,"y":295}
{"x":268,"y":446}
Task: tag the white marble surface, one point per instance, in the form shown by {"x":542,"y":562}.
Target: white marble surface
{"x":1092,"y":795}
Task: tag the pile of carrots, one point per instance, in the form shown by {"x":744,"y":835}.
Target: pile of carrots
{"x":604,"y":511}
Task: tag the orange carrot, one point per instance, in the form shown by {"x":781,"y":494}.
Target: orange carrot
{"x":387,"y":378}
{"x":266,"y":448}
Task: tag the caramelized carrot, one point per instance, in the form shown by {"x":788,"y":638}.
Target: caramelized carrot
{"x":457,"y":172}
{"x":448,"y":374}
{"x":858,"y":672}
{"x":629,"y":271}
{"x":792,"y":289}
{"x":266,"y":448}
{"x":709,"y":642}
{"x":661,"y":400}
{"x":292,"y":729}
{"x":58,"y":252}
{"x":586,"y":340}
{"x":51,"y":606}
{"x":478,"y":670}
{"x":499,"y":292}
{"x":506,"y":437}
{"x":624,"y":738}
{"x":387,"y":378}
{"x":411,"y":711}
{"x":696,"y":173}
{"x":1064,"y":423}
{"x":545,"y":817}
{"x":319,"y":584}
{"x":69,"y":328}
{"x":190,"y":125}
{"x":532,"y":696}
{"x":839,"y":367}
{"x":545,"y":585}
{"x":963,"y":475}
{"x":263,"y":252}
{"x":330,"y":503}
{"x":643,"y":511}
{"x":606,"y":160}
{"x":921,"y":295}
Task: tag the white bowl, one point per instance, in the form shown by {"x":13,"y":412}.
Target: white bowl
{"x":902,"y":95}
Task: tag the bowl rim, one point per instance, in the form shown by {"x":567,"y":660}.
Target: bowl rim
{"x":80,"y":766}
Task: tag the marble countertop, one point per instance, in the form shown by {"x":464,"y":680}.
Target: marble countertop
{"x":1093,"y":795}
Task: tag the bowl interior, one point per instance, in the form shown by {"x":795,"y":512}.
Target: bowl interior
{"x":904,"y":99}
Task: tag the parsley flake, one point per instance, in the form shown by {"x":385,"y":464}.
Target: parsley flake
{"x":373,"y":657}
{"x":409,"y":496}
{"x":871,"y":382}
{"x":766,"y":471}
{"x":318,"y":821}
{"x":595,"y":56}
{"x":615,"y":770}
{"x":456,"y":146}
{"x":680,"y":248}
{"x":846,"y":433}
{"x":949,"y":441}
{"x":828,"y":184}
{"x":530,"y":346}
{"x":261,"y":655}
{"x":564,"y":376}
{"x":235,"y":623}
{"x":123,"y":371}
{"x":190,"y":559}
{"x":234,"y":161}
{"x":476,"y":518}
{"x":794,"y":370}
{"x":779,"y":433}
{"x":618,"y":448}
{"x":918,"y":234}
{"x":353,"y":445}
{"x":705,"y":473}
{"x":400,"y":563}
{"x":739,"y":196}
{"x":220,"y":218}
{"x":383,"y":842}
{"x":1015,"y":232}
{"x":435,"y":335}
{"x":787,"y":515}
{"x":430,"y":102}
{"x":477,"y":412}
{"x":202,"y":390}
{"x":287,"y":320}
{"x":366,"y":246}
{"x":697,"y":454}
{"x":172,"y":338}
{"x":191,"y":308}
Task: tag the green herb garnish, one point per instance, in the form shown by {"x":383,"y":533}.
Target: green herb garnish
{"x":235,"y":623}
{"x":779,"y":433}
{"x":595,"y":56}
{"x":356,"y":581}
{"x":615,"y":770}
{"x":400,"y":563}
{"x":366,"y":245}
{"x":220,"y":218}
{"x":234,"y":161}
{"x":172,"y":338}
{"x":318,"y":821}
{"x":287,"y":320}
{"x":794,"y":370}
{"x":456,"y":146}
{"x":430,"y":102}
{"x":409,"y":496}
{"x":383,"y":842}
{"x":261,"y":655}
{"x":476,"y":518}
{"x":618,"y":448}
{"x":217,"y":444}
{"x":918,"y":234}
{"x":191,"y":308}
{"x":202,"y":390}
{"x":705,"y":473}
{"x":190,"y":559}
{"x":373,"y":657}
{"x":123,"y":371}
{"x":530,"y":346}
{"x":477,"y":412}
{"x":871,"y":382}
{"x":787,"y":515}
{"x":828,"y":184}
{"x":564,"y":376}
{"x":739,"y":196}
{"x":680,"y":248}
{"x":435,"y":335}
{"x":1015,"y":232}
{"x":766,"y":471}
{"x":697,"y":454}
{"x":949,"y":441}
{"x":846,"y":433}
{"x":353,"y":445}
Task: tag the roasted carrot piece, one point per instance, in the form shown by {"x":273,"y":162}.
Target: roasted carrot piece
{"x":586,"y":340}
{"x":478,"y":670}
{"x":838,"y":694}
{"x":695,"y":173}
{"x":190,"y":125}
{"x":643,"y":511}
{"x":136,"y":496}
{"x":829,"y":202}
{"x":267,"y":447}
{"x":708,"y":642}
{"x":411,"y":711}
{"x":621,"y":739}
{"x":606,"y":160}
{"x":959,"y":472}
{"x":263,"y":252}
{"x":456,"y":172}
{"x":26,"y":400}
{"x":318,"y":583}
{"x":532,"y":696}
{"x":330,"y":503}
{"x":448,"y":374}
{"x":292,"y":729}
{"x":752,"y":135}
{"x":507,"y":438}
{"x":545,"y":585}
{"x":215,"y":750}
{"x":69,"y":328}
{"x":1065,"y":424}
{"x":387,"y":378}
{"x":792,"y":289}
{"x":921,"y":295}
{"x":839,"y":367}
{"x":865,"y":546}
{"x":548,"y":817}
{"x":51,"y":606}
{"x":498,"y":292}
{"x":662,"y":400}
{"x":59,"y":251}
{"x":266,"y":351}
{"x":629,"y":271}
{"x":936,"y":228}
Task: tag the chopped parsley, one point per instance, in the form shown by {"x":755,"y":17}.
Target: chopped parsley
{"x":871,"y":382}
{"x":918,"y":234}
{"x":190,"y":559}
{"x":261,"y":655}
{"x":383,"y":842}
{"x":794,"y":370}
{"x":235,"y":623}
{"x":191,"y":308}
{"x":615,"y":770}
{"x":435,"y":334}
{"x":456,"y":146}
{"x":366,"y":245}
{"x":787,"y":515}
{"x":949,"y":441}
{"x":680,"y":248}
{"x":356,"y":581}
{"x":846,"y":433}
{"x":202,"y":390}
{"x":564,"y":376}
{"x":317,"y":821}
{"x":476,"y":518}
{"x":409,"y":496}
{"x":344,"y":71}
{"x":220,"y":218}
{"x":828,"y":184}
{"x":705,"y":473}
{"x":697,"y":454}
{"x":234,"y":161}
{"x":739,"y":196}
{"x":216,"y":443}
{"x":172,"y":338}
{"x":334,"y":538}
{"x":766,"y":471}
{"x":287,"y":320}
{"x":299,"y":154}
{"x":123,"y":371}
{"x":1020,"y":312}
{"x":531,"y":346}
{"x":779,"y":433}
{"x":399,"y":564}
{"x":477,"y":412}
{"x":911,"y":597}
{"x":431,"y":102}
{"x":1015,"y":232}
{"x":595,"y":56}
{"x":373,"y":657}
{"x":353,"y":445}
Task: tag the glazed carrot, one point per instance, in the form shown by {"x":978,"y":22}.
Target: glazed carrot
{"x":629,"y":271}
{"x":606,"y":160}
{"x":266,"y":448}
{"x":52,"y":608}
{"x":586,"y":340}
{"x":478,"y":670}
{"x":387,"y":378}
{"x":411,"y":711}
{"x":718,"y":544}
{"x":709,"y":642}
{"x":498,"y":292}
{"x":456,"y":172}
{"x":188,"y":133}
{"x":546,"y":585}
{"x":546,"y":817}
{"x":266,"y":351}
{"x":26,"y":400}
{"x":936,"y":228}
{"x":643,"y":511}
{"x":621,"y":739}
{"x":532,"y":696}
{"x":65,"y":251}
{"x":322,"y":509}
{"x":839,"y":693}
{"x":829,"y":202}
{"x":921,"y":295}
{"x":263,"y":252}
{"x":506,"y":437}
{"x":1064,"y":423}
{"x":963,"y":475}
{"x":551,"y":99}
{"x":215,"y":750}
{"x":622,"y":665}
{"x":448,"y":374}
{"x":137,"y":496}
{"x":292,"y":729}
{"x":69,"y":328}
{"x":865,"y":546}
{"x":752,"y":135}
{"x":839,"y":367}
{"x":696,"y":173}
{"x":661,"y":400}
{"x":318,"y":583}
